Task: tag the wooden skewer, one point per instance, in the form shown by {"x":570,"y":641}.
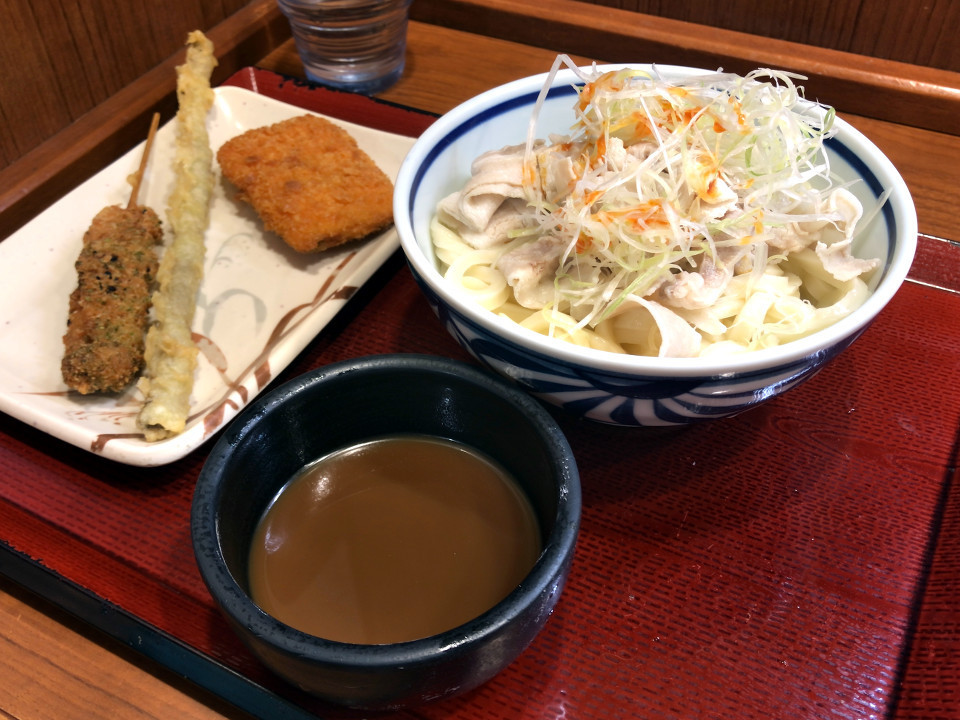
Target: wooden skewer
{"x":138,"y":176}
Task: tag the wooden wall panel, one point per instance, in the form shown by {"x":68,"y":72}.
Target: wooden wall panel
{"x":910,"y":31}
{"x":61,"y":58}
{"x":31,"y":107}
{"x":890,"y":90}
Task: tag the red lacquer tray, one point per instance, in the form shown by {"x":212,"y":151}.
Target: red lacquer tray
{"x":792,"y":562}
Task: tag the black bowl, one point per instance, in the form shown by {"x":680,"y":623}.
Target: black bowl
{"x":340,"y":405}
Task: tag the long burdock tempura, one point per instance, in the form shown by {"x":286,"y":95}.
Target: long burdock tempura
{"x":171,"y":355}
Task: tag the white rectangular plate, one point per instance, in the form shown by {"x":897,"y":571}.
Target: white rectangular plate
{"x":259,"y":305}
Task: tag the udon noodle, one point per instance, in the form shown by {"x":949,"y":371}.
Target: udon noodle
{"x":676,"y":220}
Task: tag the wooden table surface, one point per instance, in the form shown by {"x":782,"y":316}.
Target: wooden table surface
{"x":52,"y":666}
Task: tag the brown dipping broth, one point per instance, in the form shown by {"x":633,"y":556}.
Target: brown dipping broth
{"x":391,"y":540}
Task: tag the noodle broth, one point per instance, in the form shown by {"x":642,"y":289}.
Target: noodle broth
{"x":392,"y":540}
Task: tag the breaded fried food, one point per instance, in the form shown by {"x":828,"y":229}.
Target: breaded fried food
{"x":104,"y":342}
{"x":171,"y":354}
{"x":309,"y":182}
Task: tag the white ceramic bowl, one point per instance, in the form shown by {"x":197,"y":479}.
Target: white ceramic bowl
{"x":607,"y":387}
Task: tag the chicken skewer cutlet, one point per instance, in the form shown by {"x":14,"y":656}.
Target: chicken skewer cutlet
{"x":104,"y":342}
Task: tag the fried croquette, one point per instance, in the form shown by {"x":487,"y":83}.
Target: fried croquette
{"x":103,"y":345}
{"x":309,"y":182}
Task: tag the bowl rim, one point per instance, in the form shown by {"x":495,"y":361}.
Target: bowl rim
{"x":234,"y":600}
{"x":461,"y":118}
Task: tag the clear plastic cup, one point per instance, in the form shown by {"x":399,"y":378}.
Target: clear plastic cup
{"x":356,"y":45}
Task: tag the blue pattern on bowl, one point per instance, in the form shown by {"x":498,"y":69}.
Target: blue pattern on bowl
{"x":619,"y":398}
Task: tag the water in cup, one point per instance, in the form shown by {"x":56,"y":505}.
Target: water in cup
{"x":357,"y":45}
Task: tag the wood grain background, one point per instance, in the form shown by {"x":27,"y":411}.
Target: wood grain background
{"x":911,"y":31}
{"x":61,"y":58}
